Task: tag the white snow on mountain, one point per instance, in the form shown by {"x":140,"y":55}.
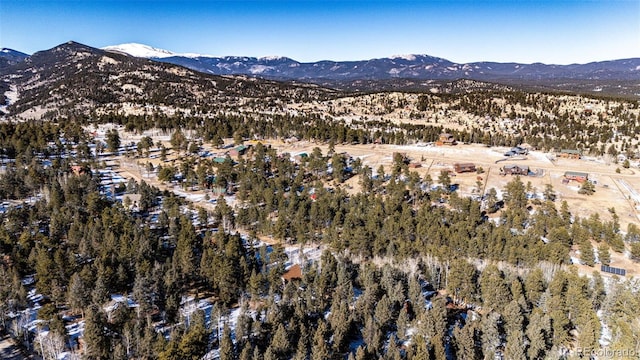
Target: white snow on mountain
{"x":259,"y":69}
{"x":140,"y":50}
{"x":409,"y":57}
{"x":146,"y":51}
{"x":272,"y":58}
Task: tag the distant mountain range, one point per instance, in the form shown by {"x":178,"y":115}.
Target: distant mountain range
{"x":404,"y":66}
{"x":591,"y":77}
{"x":618,"y":77}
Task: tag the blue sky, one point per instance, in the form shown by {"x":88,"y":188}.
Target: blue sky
{"x":559,"y":32}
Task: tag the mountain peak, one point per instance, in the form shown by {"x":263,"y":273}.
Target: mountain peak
{"x":11,"y":51}
{"x":408,"y":57}
{"x":140,"y":50}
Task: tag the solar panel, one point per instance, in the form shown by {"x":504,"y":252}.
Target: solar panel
{"x":613,"y":270}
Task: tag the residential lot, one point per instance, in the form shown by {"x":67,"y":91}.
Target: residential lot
{"x":612,"y":188}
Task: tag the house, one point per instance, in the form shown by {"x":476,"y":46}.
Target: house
{"x":293,"y":273}
{"x":238,"y":150}
{"x":569,"y":154}
{"x":464,"y":167}
{"x":515,"y":169}
{"x":446,"y":139}
{"x":577,"y":176}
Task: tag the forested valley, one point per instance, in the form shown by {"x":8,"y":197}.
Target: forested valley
{"x":408,"y":269}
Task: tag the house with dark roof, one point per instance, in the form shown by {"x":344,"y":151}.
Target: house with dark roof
{"x":238,"y":150}
{"x":464,"y":167}
{"x":513,"y":169}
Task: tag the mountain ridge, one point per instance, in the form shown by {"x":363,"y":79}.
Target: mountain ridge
{"x":418,"y":66}
{"x":399,"y":72}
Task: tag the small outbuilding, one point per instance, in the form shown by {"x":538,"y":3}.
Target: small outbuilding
{"x":464,"y":167}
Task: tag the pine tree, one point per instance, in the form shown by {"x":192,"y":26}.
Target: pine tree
{"x":604,"y":255}
{"x":586,"y":252}
{"x":402,"y":324}
{"x":280,"y":342}
{"x":420,"y":350}
{"x":587,"y":188}
{"x":393,"y":352}
{"x":534,"y":286}
{"x":78,"y":295}
{"x":514,"y":329}
{"x":95,"y":337}
{"x":598,"y":292}
{"x":383,"y":314}
{"x":227,"y":349}
{"x":302,"y":350}
{"x":247,"y":350}
{"x":495,"y":293}
{"x":465,"y":342}
{"x":461,"y":280}
{"x":490,"y":335}
{"x":537,"y":332}
{"x":445,"y":180}
{"x":340,"y":324}
{"x":193,"y":344}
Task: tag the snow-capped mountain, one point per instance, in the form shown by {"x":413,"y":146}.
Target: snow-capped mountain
{"x":410,"y":66}
{"x":395,"y":72}
{"x":146,"y":51}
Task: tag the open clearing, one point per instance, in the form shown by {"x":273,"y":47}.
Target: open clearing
{"x":613,"y":189}
{"x":433,"y":159}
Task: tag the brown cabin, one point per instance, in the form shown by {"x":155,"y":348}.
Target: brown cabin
{"x":293,"y":273}
{"x":446,"y":139}
{"x":464,"y":167}
{"x":515,"y":170}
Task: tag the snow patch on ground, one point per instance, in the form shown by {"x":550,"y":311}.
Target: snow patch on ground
{"x":605,"y":333}
{"x":12,"y":97}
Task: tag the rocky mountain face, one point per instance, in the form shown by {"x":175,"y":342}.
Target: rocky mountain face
{"x":74,"y":79}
